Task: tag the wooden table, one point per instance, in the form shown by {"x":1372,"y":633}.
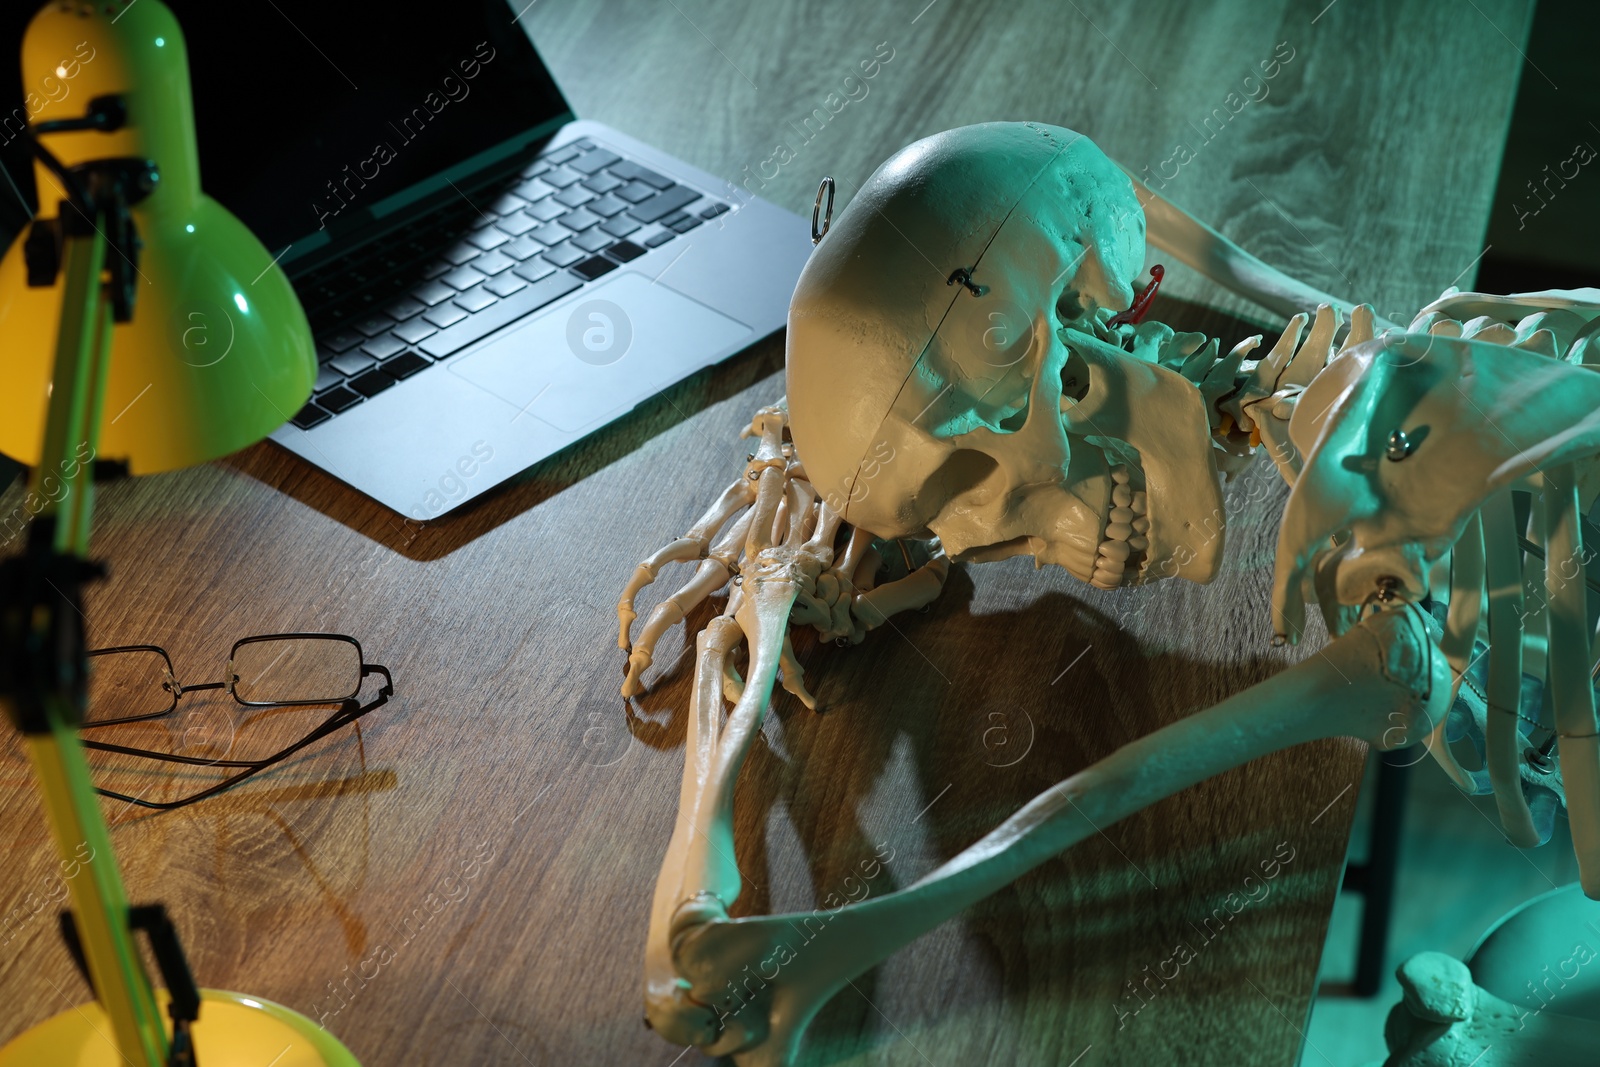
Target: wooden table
{"x":507,"y":759}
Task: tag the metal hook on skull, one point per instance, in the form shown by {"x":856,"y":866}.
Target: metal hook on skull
{"x":817,"y":209}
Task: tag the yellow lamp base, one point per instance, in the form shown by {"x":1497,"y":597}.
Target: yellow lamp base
{"x":233,"y":1031}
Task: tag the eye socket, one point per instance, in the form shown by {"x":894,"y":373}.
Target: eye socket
{"x":1069,"y":308}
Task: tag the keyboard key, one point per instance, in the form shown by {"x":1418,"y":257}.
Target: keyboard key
{"x":664,"y":203}
{"x":714,"y":210}
{"x":462,"y":278}
{"x":373,"y":325}
{"x":327,"y":378}
{"x":546,"y":209}
{"x":674,"y":218}
{"x":405,"y":365}
{"x":534,"y":270}
{"x":371,"y":383}
{"x":445,"y":315}
{"x":433,"y":293}
{"x":310,"y":416}
{"x":623,"y":251}
{"x":590,"y":162}
{"x":630,"y":171}
{"x":507,"y":284}
{"x":488,"y":238}
{"x":352,"y":363}
{"x":475,"y":299}
{"x":563,"y":155}
{"x":593,"y":267}
{"x":459,"y":253}
{"x":550,"y":234}
{"x":404,"y":308}
{"x":517,"y":223}
{"x":413,"y":331}
{"x":688,"y":224}
{"x":341,"y":340}
{"x":533,"y":190}
{"x":382,"y":347}
{"x":536,"y":168}
{"x":601,"y":183}
{"x":620,"y":226}
{"x":636,"y":192}
{"x":506,"y":311}
{"x":592,"y":240}
{"x":579,"y":219}
{"x":508,"y":204}
{"x":660,"y":239}
{"x":574,"y":196}
{"x":583,"y":144}
{"x":560,"y":177}
{"x":339,"y":400}
{"x":563,"y":255}
{"x":492,"y":263}
{"x":522,"y":248}
{"x":607,"y":206}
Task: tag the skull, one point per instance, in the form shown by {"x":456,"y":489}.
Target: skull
{"x":951,"y":370}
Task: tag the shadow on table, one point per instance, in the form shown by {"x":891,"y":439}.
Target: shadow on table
{"x":424,"y":541}
{"x":985,"y":726}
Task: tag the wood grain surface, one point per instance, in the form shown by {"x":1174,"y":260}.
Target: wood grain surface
{"x":474,"y":865}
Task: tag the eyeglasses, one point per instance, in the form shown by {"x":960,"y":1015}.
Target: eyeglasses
{"x":135,"y":687}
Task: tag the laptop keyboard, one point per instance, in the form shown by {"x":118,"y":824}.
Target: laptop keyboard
{"x":401,"y":303}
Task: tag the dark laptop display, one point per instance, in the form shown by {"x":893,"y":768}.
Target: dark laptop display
{"x":311,"y":112}
{"x":301,"y":131}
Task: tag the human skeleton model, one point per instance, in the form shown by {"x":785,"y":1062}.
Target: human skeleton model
{"x":965,"y":384}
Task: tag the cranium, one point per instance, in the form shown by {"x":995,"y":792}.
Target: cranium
{"x":949,"y":369}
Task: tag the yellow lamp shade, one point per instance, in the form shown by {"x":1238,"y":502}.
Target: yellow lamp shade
{"x":219,"y":353}
{"x":233,"y":1030}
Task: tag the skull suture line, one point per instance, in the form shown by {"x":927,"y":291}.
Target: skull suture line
{"x":949,"y":370}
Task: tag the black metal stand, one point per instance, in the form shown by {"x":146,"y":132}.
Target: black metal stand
{"x":1374,"y":879}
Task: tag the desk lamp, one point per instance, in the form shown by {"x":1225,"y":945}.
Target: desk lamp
{"x":218,"y":354}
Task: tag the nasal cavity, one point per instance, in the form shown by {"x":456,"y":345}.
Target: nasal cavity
{"x":1016,"y":420}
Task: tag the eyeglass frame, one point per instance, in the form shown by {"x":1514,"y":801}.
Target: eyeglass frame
{"x":349,"y":710}
{"x":177,"y":688}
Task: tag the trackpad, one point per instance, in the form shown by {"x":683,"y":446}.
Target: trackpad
{"x":593,"y":359}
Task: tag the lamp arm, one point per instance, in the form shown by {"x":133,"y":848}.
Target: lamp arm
{"x":44,"y":670}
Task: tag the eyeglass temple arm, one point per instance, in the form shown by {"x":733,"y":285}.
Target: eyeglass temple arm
{"x":388,"y":679}
{"x":349,"y":711}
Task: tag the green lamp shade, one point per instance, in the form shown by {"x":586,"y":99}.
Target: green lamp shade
{"x":219,"y":353}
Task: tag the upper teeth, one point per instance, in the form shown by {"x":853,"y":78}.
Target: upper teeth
{"x":1126,"y":527}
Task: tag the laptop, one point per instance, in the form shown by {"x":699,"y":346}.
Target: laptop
{"x":488,"y":277}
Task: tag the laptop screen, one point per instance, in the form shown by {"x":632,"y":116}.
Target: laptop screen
{"x":309,"y":112}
